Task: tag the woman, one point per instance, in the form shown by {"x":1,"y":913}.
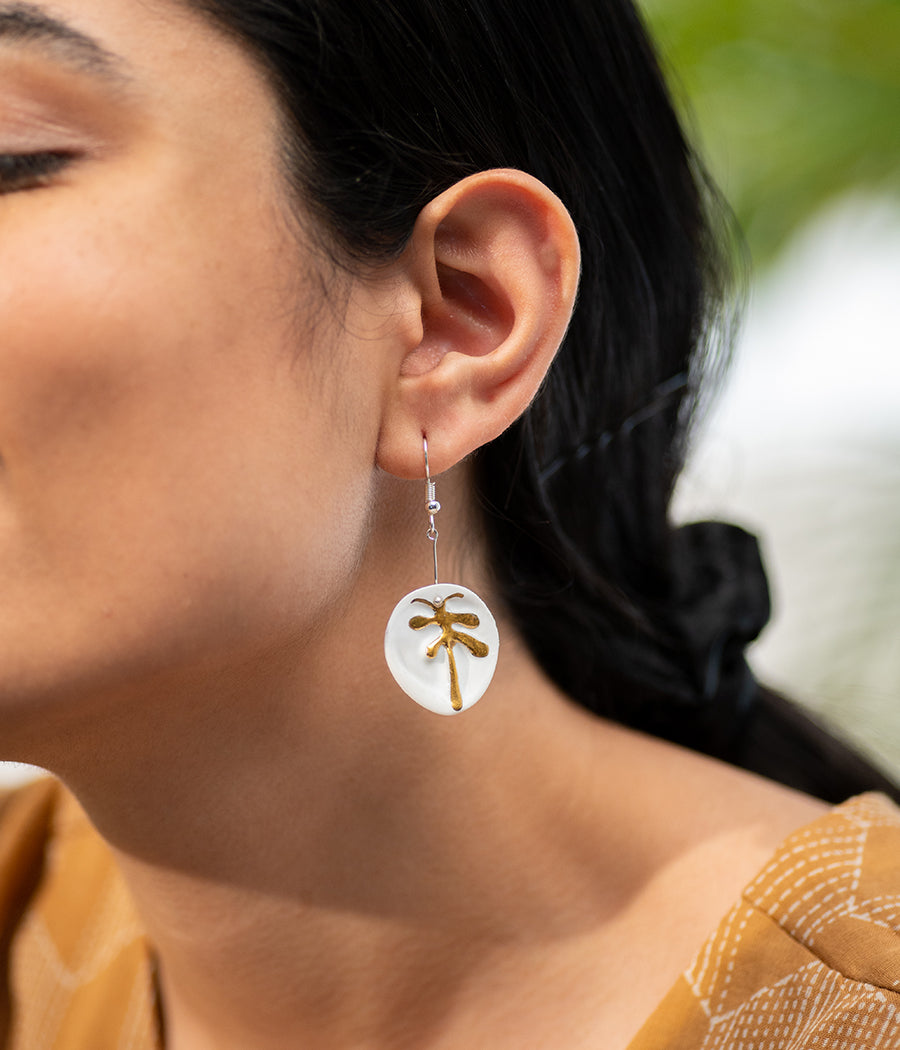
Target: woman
{"x":254,"y":252}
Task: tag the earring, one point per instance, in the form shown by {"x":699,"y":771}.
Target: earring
{"x":442,"y":668}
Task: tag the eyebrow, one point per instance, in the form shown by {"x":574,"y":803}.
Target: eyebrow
{"x":29,"y":24}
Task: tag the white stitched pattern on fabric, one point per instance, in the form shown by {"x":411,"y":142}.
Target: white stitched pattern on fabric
{"x":852,"y":910}
{"x":811,"y":1008}
{"x":710,"y":958}
{"x":785,"y":861}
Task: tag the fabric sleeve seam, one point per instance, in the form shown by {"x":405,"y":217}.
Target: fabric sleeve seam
{"x":811,"y":950}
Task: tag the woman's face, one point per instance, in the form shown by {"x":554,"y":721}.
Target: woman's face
{"x":180,"y":416}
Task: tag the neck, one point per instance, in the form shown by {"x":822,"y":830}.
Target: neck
{"x":348,"y":849}
{"x":347,"y":870}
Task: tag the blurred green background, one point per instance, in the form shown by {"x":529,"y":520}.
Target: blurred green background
{"x":795,"y":105}
{"x":795,"y":101}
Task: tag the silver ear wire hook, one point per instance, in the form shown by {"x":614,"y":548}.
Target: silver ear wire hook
{"x":431,"y":508}
{"x":441,"y":641}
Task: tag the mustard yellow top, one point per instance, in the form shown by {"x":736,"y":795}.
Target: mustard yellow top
{"x":808,"y":958}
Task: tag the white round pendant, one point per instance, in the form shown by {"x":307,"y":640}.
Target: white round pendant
{"x":441,"y":646}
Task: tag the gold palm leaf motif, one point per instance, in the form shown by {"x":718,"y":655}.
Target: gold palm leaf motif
{"x":447,"y":621}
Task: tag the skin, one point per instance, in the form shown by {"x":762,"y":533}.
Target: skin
{"x":209,"y":446}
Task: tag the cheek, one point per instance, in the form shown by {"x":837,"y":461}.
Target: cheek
{"x":171,"y":466}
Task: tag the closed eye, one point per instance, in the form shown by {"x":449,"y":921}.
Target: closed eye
{"x":28,"y":171}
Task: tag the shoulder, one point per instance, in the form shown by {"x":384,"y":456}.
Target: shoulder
{"x":811,"y":949}
{"x":834,"y":888}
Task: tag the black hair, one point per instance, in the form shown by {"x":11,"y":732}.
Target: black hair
{"x":386,"y":105}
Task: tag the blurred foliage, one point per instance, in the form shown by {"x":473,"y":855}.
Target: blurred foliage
{"x":792,"y":101}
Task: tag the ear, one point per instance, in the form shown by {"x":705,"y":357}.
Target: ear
{"x":492,"y":268}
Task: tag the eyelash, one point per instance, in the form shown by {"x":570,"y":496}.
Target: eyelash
{"x":29,"y":171}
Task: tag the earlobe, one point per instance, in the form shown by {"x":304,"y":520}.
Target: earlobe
{"x":494,"y":264}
